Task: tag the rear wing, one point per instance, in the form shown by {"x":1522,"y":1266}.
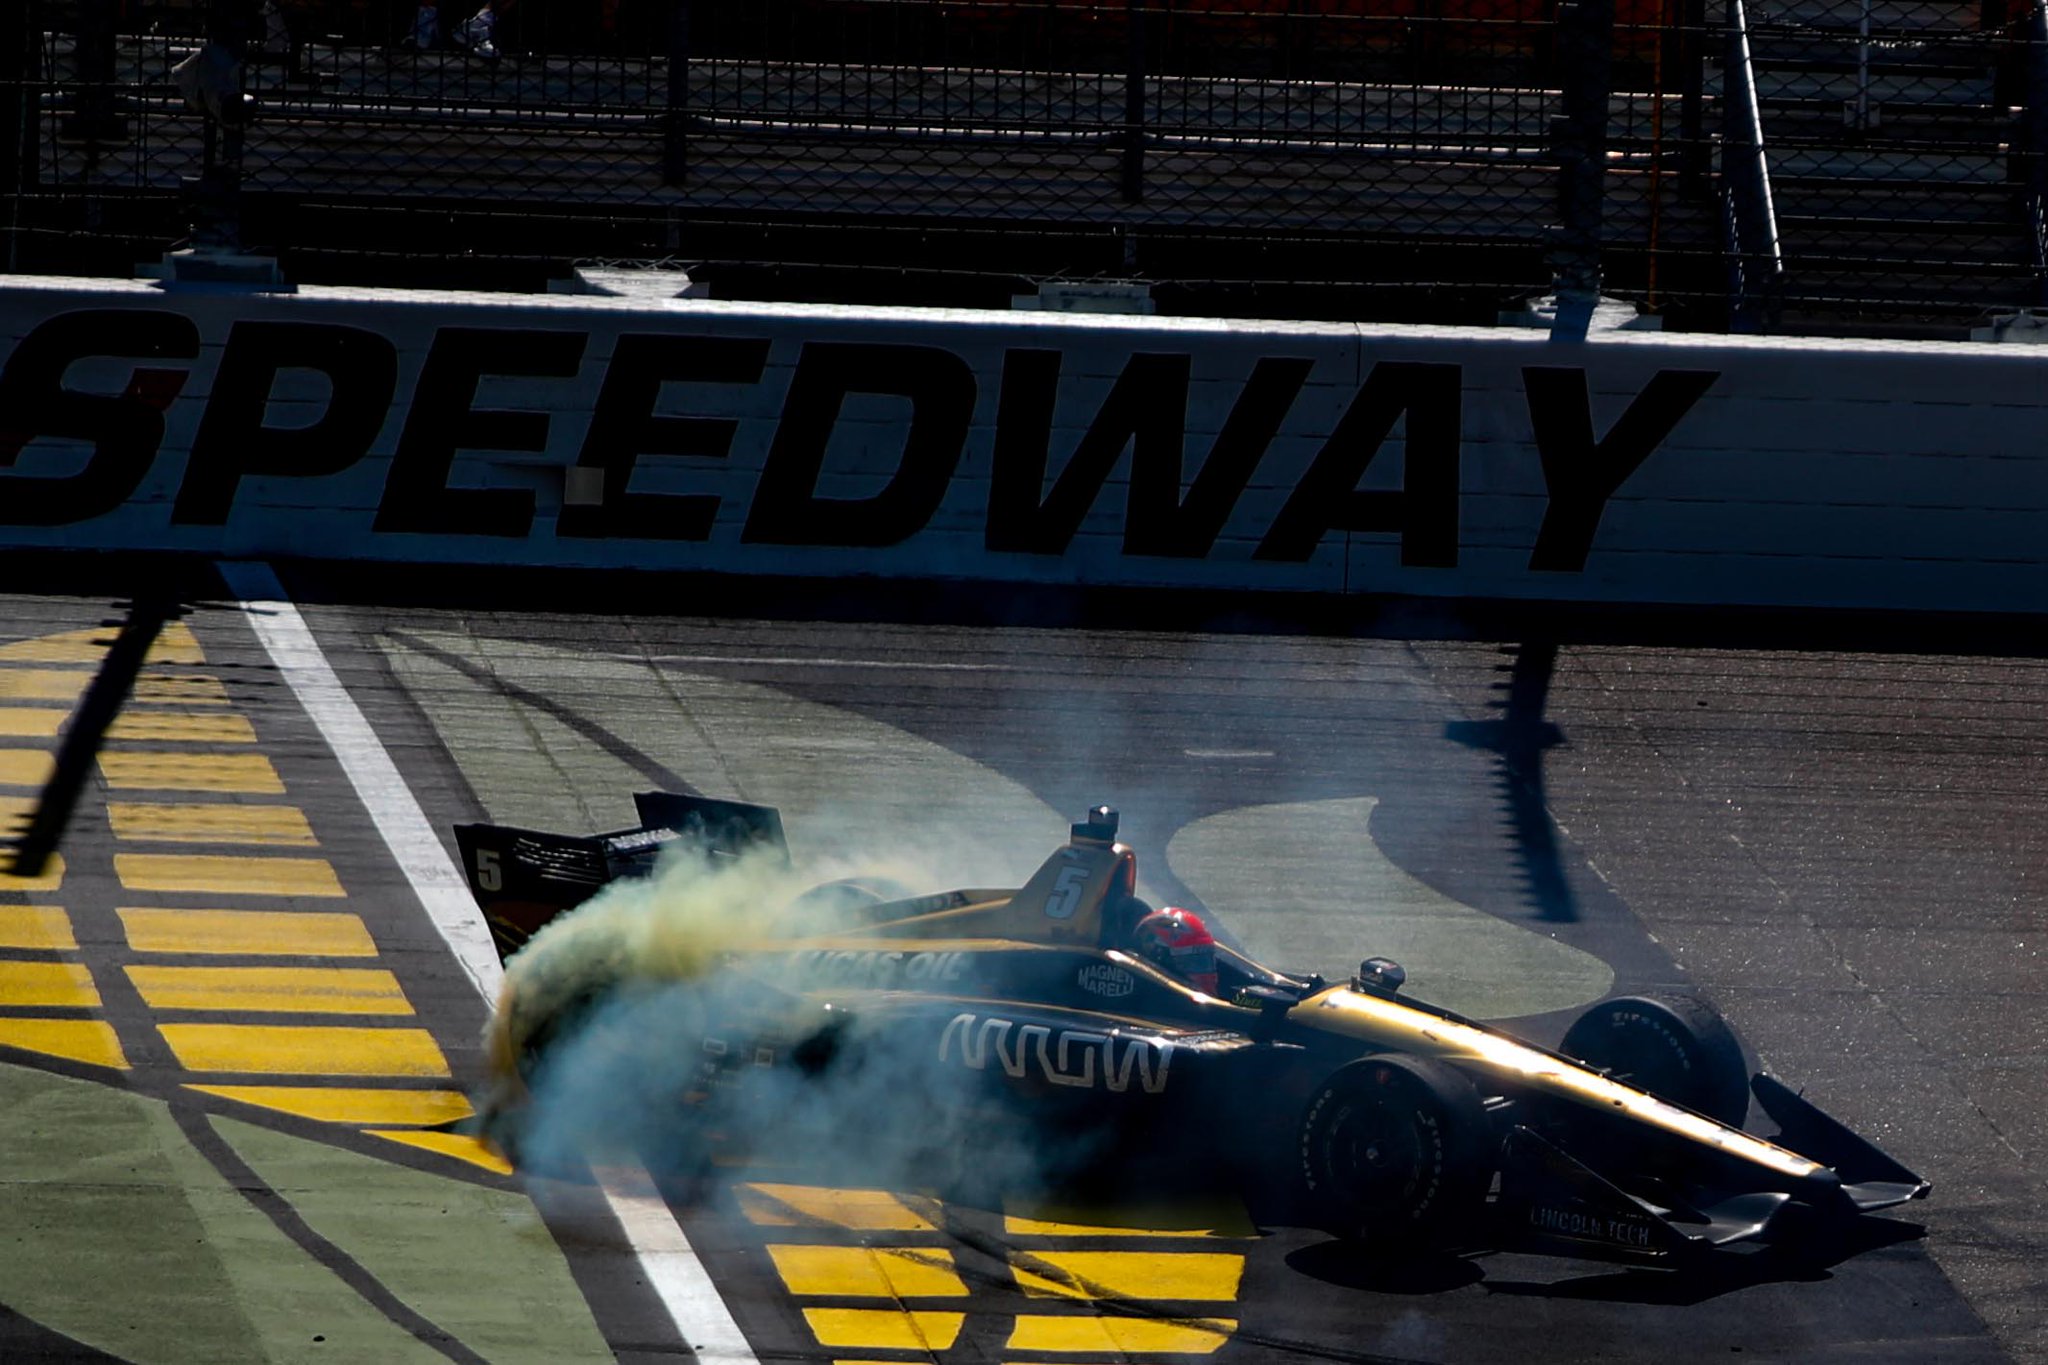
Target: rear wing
{"x":523,"y":878}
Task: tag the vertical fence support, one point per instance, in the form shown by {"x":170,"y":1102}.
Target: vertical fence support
{"x":20,"y":52}
{"x":1749,"y":218}
{"x":1694,"y":159}
{"x":2036,"y":147}
{"x":1134,"y":105}
{"x":675,"y":131}
{"x":1585,"y":33}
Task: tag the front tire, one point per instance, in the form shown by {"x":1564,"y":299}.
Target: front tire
{"x":1677,"y":1048}
{"x":1393,"y":1154}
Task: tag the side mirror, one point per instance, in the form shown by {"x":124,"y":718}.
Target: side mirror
{"x":1381,"y":975}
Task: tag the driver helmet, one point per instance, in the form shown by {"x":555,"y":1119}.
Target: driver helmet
{"x":1178,"y":943}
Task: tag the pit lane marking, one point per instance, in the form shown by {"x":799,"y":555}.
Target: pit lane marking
{"x":25,"y":767}
{"x":1119,"y":1335}
{"x":789,"y":1206}
{"x":867,"y":1272}
{"x":172,"y":727}
{"x":43,"y":684}
{"x":52,"y":985}
{"x":41,"y":986}
{"x":305,"y":1050}
{"x":248,"y":933}
{"x":50,"y":878}
{"x":830,"y":1269}
{"x":1201,"y":1276}
{"x":26,"y":722}
{"x":271,"y":990}
{"x":670,"y":1263}
{"x":224,"y":875}
{"x":242,"y":774}
{"x":885,"y":1329}
{"x":36,"y":929}
{"x":219,"y":823}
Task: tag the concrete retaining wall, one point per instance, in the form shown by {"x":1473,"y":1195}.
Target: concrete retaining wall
{"x":533,"y":430}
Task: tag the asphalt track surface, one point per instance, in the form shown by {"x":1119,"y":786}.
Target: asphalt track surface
{"x":225,"y":1033}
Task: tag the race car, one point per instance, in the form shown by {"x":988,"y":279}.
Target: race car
{"x":1071,"y":1019}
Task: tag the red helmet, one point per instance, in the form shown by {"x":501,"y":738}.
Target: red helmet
{"x":1181,"y":945}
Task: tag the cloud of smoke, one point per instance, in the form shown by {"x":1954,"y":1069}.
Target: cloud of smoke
{"x":651,"y":1030}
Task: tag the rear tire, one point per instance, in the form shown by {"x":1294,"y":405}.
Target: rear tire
{"x":1393,"y":1154}
{"x":1677,"y":1048}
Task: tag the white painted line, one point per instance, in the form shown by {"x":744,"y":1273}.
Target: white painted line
{"x":393,"y":810}
{"x":671,"y":1265}
{"x":674,"y":1269}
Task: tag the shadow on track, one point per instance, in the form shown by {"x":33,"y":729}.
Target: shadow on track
{"x":1519,"y":738}
{"x":1808,"y":1260}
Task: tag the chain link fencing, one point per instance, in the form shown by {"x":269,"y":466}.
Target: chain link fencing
{"x":1774,"y":165}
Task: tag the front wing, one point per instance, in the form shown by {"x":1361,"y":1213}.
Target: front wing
{"x":1552,"y":1202}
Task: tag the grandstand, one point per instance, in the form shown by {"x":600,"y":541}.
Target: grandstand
{"x":1861,"y":167}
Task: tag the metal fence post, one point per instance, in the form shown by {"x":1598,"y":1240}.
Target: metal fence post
{"x":675,"y":132}
{"x":1134,"y":105}
{"x":1750,"y":220}
{"x":1585,"y":31}
{"x":2036,"y":147}
{"x":1694,"y":162}
{"x":19,"y":59}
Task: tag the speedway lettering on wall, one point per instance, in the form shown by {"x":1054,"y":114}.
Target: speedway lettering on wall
{"x":1043,"y":478}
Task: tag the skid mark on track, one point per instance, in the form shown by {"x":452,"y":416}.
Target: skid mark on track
{"x":877,"y":1271}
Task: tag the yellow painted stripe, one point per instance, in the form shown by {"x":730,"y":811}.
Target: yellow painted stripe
{"x":219,"y":728}
{"x":291,"y":990}
{"x":30,"y":722}
{"x":192,"y":688}
{"x":253,"y":933}
{"x":1191,"y":1218}
{"x":1205,"y":1275}
{"x":458,"y":1145}
{"x":42,"y":684}
{"x":24,"y":767}
{"x":284,"y":1050}
{"x":175,"y":644}
{"x":349,"y":1104}
{"x":1114,"y":1335}
{"x":217,"y":823}
{"x":868,"y":1272}
{"x":212,"y":875}
{"x":884,"y":1329}
{"x":128,"y":770}
{"x":67,"y":647}
{"x":15,"y":813}
{"x":91,"y":1041}
{"x":48,"y":983}
{"x":49,"y":879}
{"x":42,"y":927}
{"x":788,"y":1206}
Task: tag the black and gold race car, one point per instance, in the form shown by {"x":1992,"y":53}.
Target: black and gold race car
{"x":702,"y":1007}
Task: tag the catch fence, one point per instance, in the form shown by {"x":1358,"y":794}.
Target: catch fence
{"x":1788,"y":165}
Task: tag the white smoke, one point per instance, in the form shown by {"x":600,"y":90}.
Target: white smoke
{"x":616,"y":997}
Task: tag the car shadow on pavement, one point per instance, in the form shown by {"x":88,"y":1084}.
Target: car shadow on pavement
{"x":1812,"y":1259}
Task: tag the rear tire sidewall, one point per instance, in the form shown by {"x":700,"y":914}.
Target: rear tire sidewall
{"x":1391,"y":1154}
{"x":1676,"y":1047}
